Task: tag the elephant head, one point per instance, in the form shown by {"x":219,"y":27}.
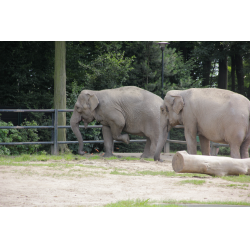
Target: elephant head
{"x":83,"y":111}
{"x":170,"y":117}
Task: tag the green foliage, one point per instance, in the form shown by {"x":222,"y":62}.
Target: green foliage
{"x":6,"y":135}
{"x":146,"y":63}
{"x":177,"y":134}
{"x":26,"y":70}
{"x":178,"y":71}
{"x":21,"y":135}
{"x":224,"y":151}
{"x":107,"y":71}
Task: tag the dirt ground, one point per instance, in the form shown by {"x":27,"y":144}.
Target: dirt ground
{"x":98,"y":182}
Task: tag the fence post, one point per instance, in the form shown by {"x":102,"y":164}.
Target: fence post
{"x":167,"y":145}
{"x":55,"y":133}
{"x":52,"y":134}
{"x":213,"y":149}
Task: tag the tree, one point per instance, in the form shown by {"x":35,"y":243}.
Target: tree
{"x":60,"y":89}
{"x":223,"y":71}
{"x":26,"y":74}
{"x":107,"y":71}
{"x":239,"y":72}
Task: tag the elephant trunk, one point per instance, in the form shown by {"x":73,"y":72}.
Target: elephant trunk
{"x":161,"y":141}
{"x":74,"y":123}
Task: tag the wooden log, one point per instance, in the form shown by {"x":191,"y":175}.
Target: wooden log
{"x":212,"y":165}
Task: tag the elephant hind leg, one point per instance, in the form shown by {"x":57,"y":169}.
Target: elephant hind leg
{"x":116,"y":127}
{"x":244,"y":149}
{"x":235,"y":151}
{"x":205,"y":145}
{"x":150,"y":148}
{"x":236,"y":146}
{"x":146,"y":152}
{"x":244,"y":146}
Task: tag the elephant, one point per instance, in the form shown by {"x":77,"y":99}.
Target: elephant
{"x":217,"y":115}
{"x":129,"y":109}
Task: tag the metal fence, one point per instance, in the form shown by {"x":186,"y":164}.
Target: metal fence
{"x":54,"y":140}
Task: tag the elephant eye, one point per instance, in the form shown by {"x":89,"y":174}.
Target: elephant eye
{"x":164,"y":108}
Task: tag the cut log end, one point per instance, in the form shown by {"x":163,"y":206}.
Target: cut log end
{"x":178,"y":162}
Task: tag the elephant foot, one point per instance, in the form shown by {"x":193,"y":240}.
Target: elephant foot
{"x":126,"y":138}
{"x":108,"y":155}
{"x":158,"y":159}
{"x":81,"y":152}
{"x":146,"y":156}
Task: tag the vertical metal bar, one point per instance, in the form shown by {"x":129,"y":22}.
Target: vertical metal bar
{"x":167,"y":145}
{"x":162,"y":75}
{"x":52,"y":134}
{"x":213,"y":149}
{"x":55,"y":132}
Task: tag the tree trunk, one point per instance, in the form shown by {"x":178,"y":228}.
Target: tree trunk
{"x":239,"y":72}
{"x":60,"y":89}
{"x":223,"y":78}
{"x":206,"y":72}
{"x":212,"y":165}
{"x":233,"y":72}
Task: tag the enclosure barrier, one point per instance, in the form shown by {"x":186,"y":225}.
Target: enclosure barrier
{"x":54,"y":141}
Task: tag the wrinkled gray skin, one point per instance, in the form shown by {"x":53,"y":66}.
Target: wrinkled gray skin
{"x":215,"y":115}
{"x":128,"y":109}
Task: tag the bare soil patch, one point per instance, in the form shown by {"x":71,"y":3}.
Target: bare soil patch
{"x":98,"y":182}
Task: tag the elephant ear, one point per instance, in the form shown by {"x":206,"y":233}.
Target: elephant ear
{"x":93,"y":101}
{"x":178,"y":104}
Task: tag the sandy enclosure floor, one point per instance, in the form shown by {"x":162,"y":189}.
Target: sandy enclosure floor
{"x":98,"y":182}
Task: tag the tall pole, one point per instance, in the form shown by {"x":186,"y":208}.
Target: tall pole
{"x":162,"y":46}
{"x":162,"y":74}
{"x":60,"y":89}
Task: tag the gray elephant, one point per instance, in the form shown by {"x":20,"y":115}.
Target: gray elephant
{"x":128,"y":109}
{"x":215,"y":115}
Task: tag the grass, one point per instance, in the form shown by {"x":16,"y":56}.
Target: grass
{"x":240,"y":178}
{"x":138,"y":203}
{"x":239,"y":186}
{"x":171,"y":203}
{"x":239,"y":203}
{"x":116,"y":172}
{"x":195,"y":182}
{"x":156,"y":173}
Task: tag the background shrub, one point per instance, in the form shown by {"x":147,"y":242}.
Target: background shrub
{"x":18,"y":135}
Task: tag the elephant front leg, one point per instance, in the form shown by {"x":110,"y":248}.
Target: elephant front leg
{"x":191,"y":141}
{"x":108,"y":141}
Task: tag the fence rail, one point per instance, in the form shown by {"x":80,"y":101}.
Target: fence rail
{"x":54,"y":142}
